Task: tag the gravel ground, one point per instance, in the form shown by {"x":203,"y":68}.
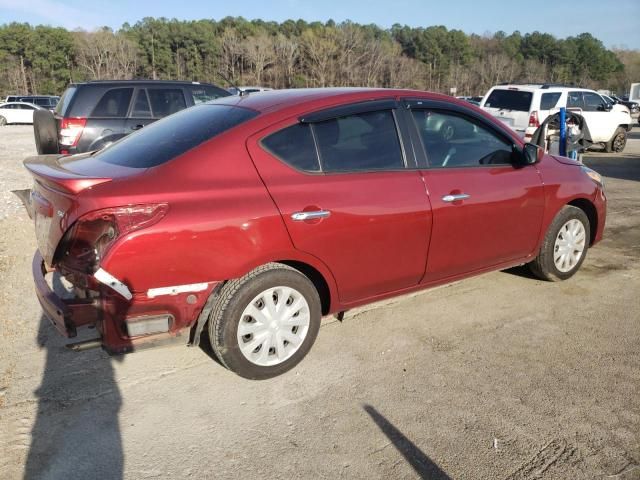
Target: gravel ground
{"x":498,"y":377}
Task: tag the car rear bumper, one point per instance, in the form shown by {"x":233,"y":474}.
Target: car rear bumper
{"x":124,"y":325}
{"x":65,"y":314}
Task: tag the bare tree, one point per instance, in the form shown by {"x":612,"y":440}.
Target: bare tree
{"x":260,"y":54}
{"x":104,"y":54}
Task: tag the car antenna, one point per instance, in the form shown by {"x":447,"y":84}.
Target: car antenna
{"x":233,"y":84}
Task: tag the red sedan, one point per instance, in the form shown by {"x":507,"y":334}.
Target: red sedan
{"x":252,"y":217}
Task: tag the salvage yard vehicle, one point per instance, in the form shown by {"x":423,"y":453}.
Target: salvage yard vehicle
{"x":252,"y":217}
{"x":525,"y":107}
{"x":92,"y":115}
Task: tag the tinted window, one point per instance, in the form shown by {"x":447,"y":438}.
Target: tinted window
{"x":366,"y":141}
{"x":114,"y":103}
{"x":204,"y":93}
{"x":294,"y":145}
{"x":574,"y":100}
{"x":469,"y":145}
{"x":141,"y":105}
{"x":549,"y":100}
{"x":592,"y":101}
{"x":65,"y":100}
{"x":166,"y":139}
{"x":165,"y":101}
{"x":509,"y":100}
{"x":22,"y":106}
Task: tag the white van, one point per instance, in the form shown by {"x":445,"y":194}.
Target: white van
{"x":525,"y":107}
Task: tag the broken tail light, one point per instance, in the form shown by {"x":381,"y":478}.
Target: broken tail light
{"x":70,"y":131}
{"x":88,"y":240}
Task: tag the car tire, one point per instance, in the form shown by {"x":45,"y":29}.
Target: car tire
{"x":3,"y":121}
{"x":564,"y":247}
{"x":258,"y":333}
{"x":45,"y":132}
{"x":617,"y":142}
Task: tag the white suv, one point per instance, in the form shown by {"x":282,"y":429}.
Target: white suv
{"x":525,"y":107}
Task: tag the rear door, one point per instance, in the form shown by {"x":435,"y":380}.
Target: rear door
{"x":486,"y":210}
{"x":25,"y":113}
{"x":350,"y":195}
{"x":140,"y":112}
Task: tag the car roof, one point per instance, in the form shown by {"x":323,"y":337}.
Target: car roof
{"x":141,"y":82}
{"x":533,"y":87}
{"x":21,"y":103}
{"x":273,"y":100}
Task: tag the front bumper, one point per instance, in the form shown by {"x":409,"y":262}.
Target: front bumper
{"x":65,"y":314}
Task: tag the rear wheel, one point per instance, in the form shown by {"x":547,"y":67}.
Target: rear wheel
{"x":618,"y":141}
{"x":3,"y":121}
{"x":564,"y":247}
{"x":264,"y":323}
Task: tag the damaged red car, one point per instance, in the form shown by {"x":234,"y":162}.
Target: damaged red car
{"x":249,"y":218}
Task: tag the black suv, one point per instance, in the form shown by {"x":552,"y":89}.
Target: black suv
{"x":92,"y":115}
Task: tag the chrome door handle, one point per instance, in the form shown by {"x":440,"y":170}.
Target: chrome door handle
{"x":301,"y":216}
{"x":453,"y":198}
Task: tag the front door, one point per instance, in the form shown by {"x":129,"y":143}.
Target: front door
{"x":486,"y":211}
{"x":351,"y":202}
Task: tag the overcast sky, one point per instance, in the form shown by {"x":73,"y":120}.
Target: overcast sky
{"x":616,"y":23}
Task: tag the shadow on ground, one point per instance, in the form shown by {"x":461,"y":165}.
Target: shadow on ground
{"x":76,"y":434}
{"x":421,"y":463}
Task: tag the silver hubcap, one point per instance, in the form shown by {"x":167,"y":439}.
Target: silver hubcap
{"x":273,"y":326}
{"x":569,"y":245}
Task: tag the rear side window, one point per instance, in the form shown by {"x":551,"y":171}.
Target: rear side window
{"x":114,"y":103}
{"x":549,"y":100}
{"x":205,"y":93}
{"x":65,"y":100}
{"x":166,"y":139}
{"x":361,"y":142}
{"x":165,"y":101}
{"x":509,"y":100}
{"x":294,"y":146}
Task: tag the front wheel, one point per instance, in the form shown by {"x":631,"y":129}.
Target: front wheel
{"x":264,"y":323}
{"x":564,"y":247}
{"x":3,"y":121}
{"x":618,"y":141}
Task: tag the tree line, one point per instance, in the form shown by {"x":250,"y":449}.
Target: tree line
{"x":43,"y":59}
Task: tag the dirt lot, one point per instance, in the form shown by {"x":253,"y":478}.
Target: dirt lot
{"x":496,"y":377}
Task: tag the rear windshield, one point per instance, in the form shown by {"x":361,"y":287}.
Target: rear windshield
{"x":165,"y":139}
{"x":509,"y":100}
{"x":65,"y":100}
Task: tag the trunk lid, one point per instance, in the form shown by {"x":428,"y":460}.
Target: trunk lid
{"x":53,"y":201}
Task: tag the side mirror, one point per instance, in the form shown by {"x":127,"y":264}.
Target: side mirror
{"x":531,"y":154}
{"x":605,"y":107}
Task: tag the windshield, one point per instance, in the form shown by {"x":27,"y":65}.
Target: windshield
{"x":165,"y":139}
{"x":509,"y":100}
